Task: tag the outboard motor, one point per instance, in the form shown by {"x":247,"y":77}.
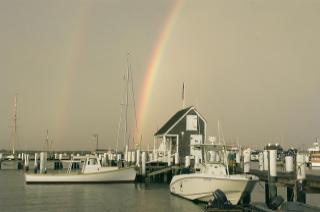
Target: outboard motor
{"x":219,"y":200}
{"x":276,"y":202}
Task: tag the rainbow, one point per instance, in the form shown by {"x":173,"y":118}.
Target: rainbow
{"x":154,"y":63}
{"x":74,"y":44}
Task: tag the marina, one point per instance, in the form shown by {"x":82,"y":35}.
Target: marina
{"x":225,"y":175}
{"x":160,"y":106}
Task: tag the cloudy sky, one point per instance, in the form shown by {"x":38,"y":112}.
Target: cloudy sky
{"x":253,"y":65}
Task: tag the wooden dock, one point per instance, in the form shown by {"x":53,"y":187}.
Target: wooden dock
{"x":288,"y":179}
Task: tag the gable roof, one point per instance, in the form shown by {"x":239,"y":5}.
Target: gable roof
{"x":176,"y":117}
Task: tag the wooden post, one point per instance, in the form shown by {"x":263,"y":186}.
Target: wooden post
{"x":301,"y":193}
{"x":177,"y":153}
{"x":289,"y":163}
{"x":133,"y":157}
{"x":26,"y":162}
{"x":176,"y":158}
{"x":261,"y":163}
{"x":272,"y":175}
{"x":290,"y":193}
{"x":143,"y":165}
{"x":266,"y":192}
{"x":169,"y":157}
{"x":301,"y":176}
{"x":187,"y":162}
{"x":265,"y":160}
{"x":138,"y":158}
{"x":43,"y":161}
{"x":246,"y":160}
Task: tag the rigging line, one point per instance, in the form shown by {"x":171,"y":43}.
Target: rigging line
{"x":122,"y":104}
{"x":225,"y":148}
{"x":119,"y":126}
{"x":133,"y":99}
{"x":126,"y":104}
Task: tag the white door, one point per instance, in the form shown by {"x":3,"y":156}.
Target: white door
{"x":195,"y":139}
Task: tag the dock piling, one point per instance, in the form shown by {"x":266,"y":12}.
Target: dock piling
{"x":43,"y":161}
{"x":138,"y":158}
{"x":290,"y":193}
{"x":143,"y":162}
{"x":133,"y":157}
{"x":265,"y":160}
{"x":272,"y":189}
{"x":289,"y":163}
{"x":26,"y":162}
{"x":301,"y":176}
{"x":246,"y":160}
{"x":261,"y":163}
{"x":187,"y":161}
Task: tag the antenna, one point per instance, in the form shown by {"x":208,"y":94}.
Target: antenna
{"x":183,"y":96}
{"x":15,"y":111}
{"x":96,"y":136}
{"x":225,"y":146}
{"x":47,"y":140}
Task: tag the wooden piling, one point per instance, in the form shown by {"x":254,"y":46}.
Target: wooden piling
{"x":290,"y":193}
{"x":300,"y":190}
{"x":301,"y":176}
{"x":272,"y":169}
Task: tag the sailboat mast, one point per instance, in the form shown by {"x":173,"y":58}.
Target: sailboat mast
{"x":126,"y":104}
{"x":14,"y":124}
{"x":47,"y":140}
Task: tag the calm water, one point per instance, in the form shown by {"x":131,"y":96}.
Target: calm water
{"x":15,"y":195}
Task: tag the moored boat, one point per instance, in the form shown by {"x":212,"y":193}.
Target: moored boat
{"x":212,"y":175}
{"x":314,"y":152}
{"x":92,"y":172}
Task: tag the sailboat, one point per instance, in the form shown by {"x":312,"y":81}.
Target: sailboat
{"x":92,"y":171}
{"x":14,"y":130}
{"x":211,"y":175}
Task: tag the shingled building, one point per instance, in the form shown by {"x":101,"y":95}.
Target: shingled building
{"x":184,"y":128}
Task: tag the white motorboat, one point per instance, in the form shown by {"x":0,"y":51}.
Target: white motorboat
{"x":92,"y":172}
{"x":314,"y":152}
{"x":211,"y":175}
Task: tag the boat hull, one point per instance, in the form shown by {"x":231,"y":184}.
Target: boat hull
{"x":315,"y":164}
{"x":201,"y":186}
{"x":119,"y":175}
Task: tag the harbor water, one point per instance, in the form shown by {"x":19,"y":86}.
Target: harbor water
{"x":15,"y":195}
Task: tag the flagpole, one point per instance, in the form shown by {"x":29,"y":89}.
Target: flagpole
{"x":183,"y":97}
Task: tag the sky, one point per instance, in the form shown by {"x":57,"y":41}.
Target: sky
{"x":253,"y":65}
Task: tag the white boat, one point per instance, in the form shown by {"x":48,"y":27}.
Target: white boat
{"x":10,"y":157}
{"x":210,"y":176}
{"x":92,"y":172}
{"x":315,"y":154}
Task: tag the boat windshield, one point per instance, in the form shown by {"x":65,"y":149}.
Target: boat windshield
{"x":212,"y":153}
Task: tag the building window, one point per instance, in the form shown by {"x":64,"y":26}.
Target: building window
{"x":192,"y":122}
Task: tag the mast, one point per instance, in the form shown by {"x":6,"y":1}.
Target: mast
{"x":96,"y":136}
{"x":183,"y":96}
{"x":14,"y":124}
{"x":47,"y":140}
{"x":126,"y":105}
{"x":225,"y":157}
